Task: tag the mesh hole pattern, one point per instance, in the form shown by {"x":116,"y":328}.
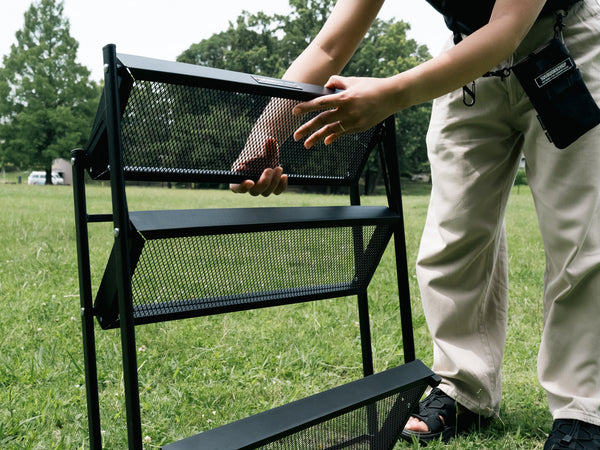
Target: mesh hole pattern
{"x":175,"y":130}
{"x":199,"y":272}
{"x":375,"y":426}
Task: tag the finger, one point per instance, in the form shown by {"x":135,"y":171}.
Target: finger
{"x":332,"y":138}
{"x":272,"y":151}
{"x":318,"y":104}
{"x":316,"y":123}
{"x":336,"y":82}
{"x":282,"y":186}
{"x":274,"y":181}
{"x":267,"y":182}
{"x":330,"y":101}
{"x":242,"y":187}
{"x":328,"y":134}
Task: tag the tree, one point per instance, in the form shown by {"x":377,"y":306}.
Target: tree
{"x":47,"y":101}
{"x":249,"y":46}
{"x":265,"y":45}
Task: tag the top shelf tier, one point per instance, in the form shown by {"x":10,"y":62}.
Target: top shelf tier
{"x":182,"y":122}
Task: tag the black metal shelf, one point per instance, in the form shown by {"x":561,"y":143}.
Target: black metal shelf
{"x":193,"y":222}
{"x":381,"y":402}
{"x":170,"y":122}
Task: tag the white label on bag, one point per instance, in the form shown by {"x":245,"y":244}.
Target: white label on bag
{"x":554,"y":72}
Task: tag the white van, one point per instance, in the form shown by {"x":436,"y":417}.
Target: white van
{"x":39,"y":178}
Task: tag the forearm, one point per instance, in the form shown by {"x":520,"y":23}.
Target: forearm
{"x":326,"y":55}
{"x":457,"y":67}
{"x":314,"y":66}
{"x":335,"y":44}
{"x":465,"y":62}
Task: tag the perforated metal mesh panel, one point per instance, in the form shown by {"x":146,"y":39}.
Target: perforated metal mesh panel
{"x":176,"y":131}
{"x":365,"y":414}
{"x":230,"y":271}
{"x":376,"y":426}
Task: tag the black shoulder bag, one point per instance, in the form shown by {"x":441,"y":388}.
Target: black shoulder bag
{"x":550,"y":78}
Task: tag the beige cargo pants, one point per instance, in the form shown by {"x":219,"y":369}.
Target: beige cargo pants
{"x":462,"y":263}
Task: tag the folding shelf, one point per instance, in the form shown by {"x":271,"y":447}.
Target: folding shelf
{"x":174,"y":122}
{"x":368,"y":413}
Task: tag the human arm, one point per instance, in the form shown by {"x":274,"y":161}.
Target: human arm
{"x":326,"y":55}
{"x":366,"y":101}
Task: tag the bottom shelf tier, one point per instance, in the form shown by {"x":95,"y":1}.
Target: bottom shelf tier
{"x":369,"y":413}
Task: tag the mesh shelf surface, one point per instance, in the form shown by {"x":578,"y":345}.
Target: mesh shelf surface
{"x":368,"y":414}
{"x":351,"y":430}
{"x":176,"y":132}
{"x":180,"y":276}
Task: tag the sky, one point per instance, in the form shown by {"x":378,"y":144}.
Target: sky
{"x":164,"y":29}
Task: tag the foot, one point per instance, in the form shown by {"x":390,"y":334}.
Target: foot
{"x":573,"y":434}
{"x":439,"y":417}
{"x":417,"y":425}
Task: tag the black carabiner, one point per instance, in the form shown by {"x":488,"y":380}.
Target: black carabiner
{"x":469,"y":95}
{"x":559,"y":24}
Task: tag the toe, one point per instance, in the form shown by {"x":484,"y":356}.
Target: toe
{"x":417,"y":425}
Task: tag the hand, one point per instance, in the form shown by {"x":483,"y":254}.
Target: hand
{"x":363,"y":103}
{"x":272,"y":179}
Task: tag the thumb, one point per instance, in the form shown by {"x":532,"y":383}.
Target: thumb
{"x":336,"y":82}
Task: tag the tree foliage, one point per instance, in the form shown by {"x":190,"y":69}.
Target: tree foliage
{"x":47,"y":101}
{"x":261,"y":44}
{"x":249,"y":45}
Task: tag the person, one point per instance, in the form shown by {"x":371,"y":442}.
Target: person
{"x":475,"y":147}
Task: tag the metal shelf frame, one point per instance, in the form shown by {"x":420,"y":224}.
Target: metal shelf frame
{"x":105,"y":156}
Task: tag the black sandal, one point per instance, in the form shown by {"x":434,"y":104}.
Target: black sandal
{"x":573,"y":434}
{"x":454,"y":419}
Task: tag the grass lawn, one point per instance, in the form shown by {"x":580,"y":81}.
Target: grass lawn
{"x":200,"y":373}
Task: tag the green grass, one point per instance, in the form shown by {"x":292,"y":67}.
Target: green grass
{"x":200,"y":373}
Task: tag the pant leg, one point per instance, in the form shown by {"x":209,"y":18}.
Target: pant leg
{"x":474,"y":154}
{"x":462,"y":262}
{"x":566,"y":189}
